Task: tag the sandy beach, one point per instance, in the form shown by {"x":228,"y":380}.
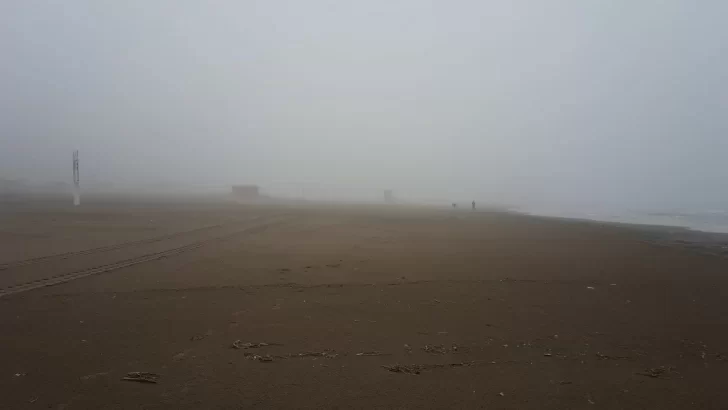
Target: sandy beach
{"x":241,"y":306}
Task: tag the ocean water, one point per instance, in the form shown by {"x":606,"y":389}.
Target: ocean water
{"x":703,"y":220}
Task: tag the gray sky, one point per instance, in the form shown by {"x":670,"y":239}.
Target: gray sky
{"x":596,"y":102}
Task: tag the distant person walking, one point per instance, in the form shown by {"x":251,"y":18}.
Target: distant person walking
{"x":473,"y":205}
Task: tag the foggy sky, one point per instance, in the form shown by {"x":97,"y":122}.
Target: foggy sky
{"x":596,"y":102}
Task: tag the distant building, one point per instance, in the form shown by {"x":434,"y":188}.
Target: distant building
{"x":246,"y":192}
{"x":388,"y":196}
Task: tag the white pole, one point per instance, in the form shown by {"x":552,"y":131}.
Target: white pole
{"x":76,"y":180}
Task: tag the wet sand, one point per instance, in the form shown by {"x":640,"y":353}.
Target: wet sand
{"x":361,"y":307}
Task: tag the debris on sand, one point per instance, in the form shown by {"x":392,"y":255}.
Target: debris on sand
{"x":181,"y":355}
{"x":658,"y":372}
{"x":417,"y":368}
{"x":502,"y":394}
{"x":258,"y":357}
{"x":434,"y":349}
{"x":374,"y":353}
{"x":240,"y":345}
{"x":608,"y":357}
{"x":440,"y":349}
{"x":328,"y":354}
{"x":590,"y":287}
{"x":407,"y":369}
{"x":141,"y":377}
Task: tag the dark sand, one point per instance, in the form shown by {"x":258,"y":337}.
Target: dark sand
{"x":488,"y":310}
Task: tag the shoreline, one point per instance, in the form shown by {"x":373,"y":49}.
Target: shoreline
{"x":714,"y":243}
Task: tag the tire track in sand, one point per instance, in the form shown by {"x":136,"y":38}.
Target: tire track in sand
{"x":69,"y":276}
{"x":48,"y":258}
